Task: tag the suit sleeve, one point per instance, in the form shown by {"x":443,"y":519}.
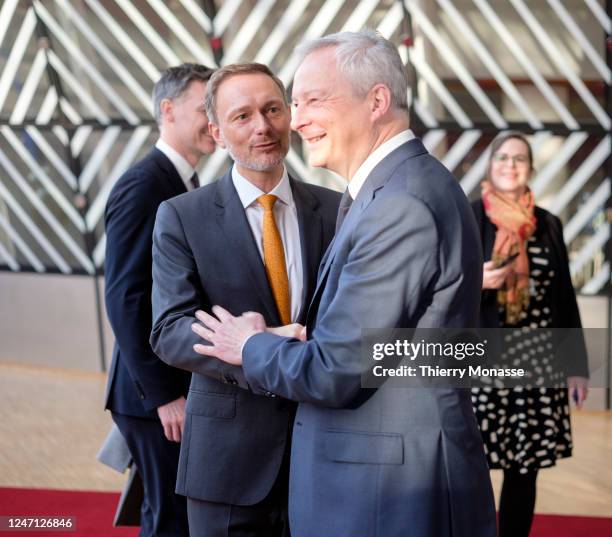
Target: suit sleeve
{"x":177,"y":294}
{"x":571,"y":349}
{"x":129,"y":225}
{"x":382,"y":285}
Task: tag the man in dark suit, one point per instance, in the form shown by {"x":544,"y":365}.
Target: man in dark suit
{"x":146,"y":396}
{"x":393,"y":461}
{"x":251,"y":241}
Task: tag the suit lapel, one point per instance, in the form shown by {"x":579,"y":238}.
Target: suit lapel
{"x":356,"y":208}
{"x":233,"y":222}
{"x":326,"y":264}
{"x":323,"y":263}
{"x":364,"y":197}
{"x":174,"y":185}
{"x":376,"y":180}
{"x":311,"y":231}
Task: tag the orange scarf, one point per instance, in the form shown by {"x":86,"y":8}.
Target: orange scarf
{"x":515,"y":223}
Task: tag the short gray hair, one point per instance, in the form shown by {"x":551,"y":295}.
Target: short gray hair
{"x":365,"y":59}
{"x":175,"y":81}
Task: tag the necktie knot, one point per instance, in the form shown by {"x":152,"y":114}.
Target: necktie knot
{"x":343,"y":208}
{"x":195,"y":180}
{"x":267,"y":201}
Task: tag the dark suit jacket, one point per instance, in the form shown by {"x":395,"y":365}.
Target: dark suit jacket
{"x":571,"y":349}
{"x":395,"y":461}
{"x":204,"y":254}
{"x":139,"y":381}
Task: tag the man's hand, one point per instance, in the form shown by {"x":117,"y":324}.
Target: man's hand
{"x":172,"y":416}
{"x":493,"y":278}
{"x":294,"y":330}
{"x":578,"y":389}
{"x":226,"y":332}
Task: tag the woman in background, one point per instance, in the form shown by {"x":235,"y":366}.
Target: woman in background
{"x":526,"y":283}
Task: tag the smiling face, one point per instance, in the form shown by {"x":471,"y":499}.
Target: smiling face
{"x":510,"y":167}
{"x":253,"y":122}
{"x":188,"y":122}
{"x":334,"y":123}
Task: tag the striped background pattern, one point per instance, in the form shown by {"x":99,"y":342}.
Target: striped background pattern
{"x":75,"y":106}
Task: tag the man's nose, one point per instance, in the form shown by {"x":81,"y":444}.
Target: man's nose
{"x":298,"y":118}
{"x":261,"y":123}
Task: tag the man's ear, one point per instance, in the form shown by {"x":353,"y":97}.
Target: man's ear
{"x":166,"y":110}
{"x":215,"y":132}
{"x":380,"y":100}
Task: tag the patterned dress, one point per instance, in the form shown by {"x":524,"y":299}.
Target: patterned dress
{"x":527,"y":428}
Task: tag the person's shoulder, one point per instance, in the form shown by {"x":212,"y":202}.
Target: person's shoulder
{"x":323,"y":194}
{"x":419,"y":170}
{"x":547,"y":221}
{"x":195,"y":198}
{"x":141,"y":177}
{"x":477,"y":204}
{"x":544,"y":214}
{"x":423,"y":176}
{"x":135,"y":192}
{"x":478,"y":209}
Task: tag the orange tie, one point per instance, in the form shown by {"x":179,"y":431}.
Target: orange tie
{"x":274,"y":259}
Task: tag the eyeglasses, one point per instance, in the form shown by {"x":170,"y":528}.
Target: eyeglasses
{"x":517,"y":160}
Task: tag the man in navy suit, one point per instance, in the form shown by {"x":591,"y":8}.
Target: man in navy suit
{"x":393,"y":461}
{"x":145,"y":396}
{"x":250,"y":241}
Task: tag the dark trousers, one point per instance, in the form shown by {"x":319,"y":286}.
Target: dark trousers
{"x":163,"y":513}
{"x":517,"y":503}
{"x":268,"y":518}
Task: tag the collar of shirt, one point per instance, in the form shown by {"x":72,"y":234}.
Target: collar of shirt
{"x":184,"y":169}
{"x":248,"y":192}
{"x":375,"y":158}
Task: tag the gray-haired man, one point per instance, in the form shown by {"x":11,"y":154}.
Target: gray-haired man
{"x":389,"y":462}
{"x":146,"y":396}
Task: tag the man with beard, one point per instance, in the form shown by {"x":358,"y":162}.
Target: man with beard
{"x":145,"y":396}
{"x":251,"y":241}
{"x":392,"y":461}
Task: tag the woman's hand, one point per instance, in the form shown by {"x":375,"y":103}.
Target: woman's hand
{"x":578,"y":388}
{"x":493,"y":278}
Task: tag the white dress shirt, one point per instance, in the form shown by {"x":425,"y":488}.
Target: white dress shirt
{"x":285,"y":214}
{"x":375,"y":158}
{"x":184,"y":169}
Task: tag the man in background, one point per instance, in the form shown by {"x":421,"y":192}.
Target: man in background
{"x":250,"y":241}
{"x":145,"y":396}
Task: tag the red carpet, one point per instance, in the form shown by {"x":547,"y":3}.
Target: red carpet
{"x":571,"y":526}
{"x":94,"y":512}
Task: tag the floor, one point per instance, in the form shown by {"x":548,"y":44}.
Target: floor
{"x":52,"y":424}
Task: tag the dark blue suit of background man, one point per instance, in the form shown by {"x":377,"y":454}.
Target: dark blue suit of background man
{"x":146,"y":396}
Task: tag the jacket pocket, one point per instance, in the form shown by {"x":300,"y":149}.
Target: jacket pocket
{"x":363,"y":448}
{"x":211,"y":405}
